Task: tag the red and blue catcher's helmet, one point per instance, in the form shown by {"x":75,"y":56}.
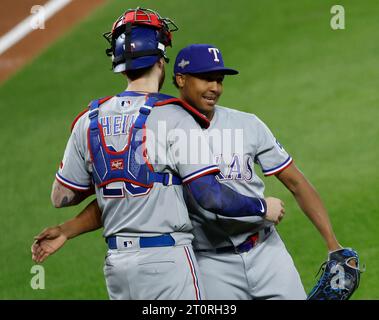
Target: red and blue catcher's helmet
{"x":138,"y":39}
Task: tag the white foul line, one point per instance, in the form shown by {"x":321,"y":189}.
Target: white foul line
{"x":25,"y":26}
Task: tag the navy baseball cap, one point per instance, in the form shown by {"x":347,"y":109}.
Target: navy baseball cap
{"x":200,"y":58}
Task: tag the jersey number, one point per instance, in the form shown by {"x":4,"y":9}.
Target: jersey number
{"x":117,"y":190}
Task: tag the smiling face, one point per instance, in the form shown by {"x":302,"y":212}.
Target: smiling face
{"x":201,"y":90}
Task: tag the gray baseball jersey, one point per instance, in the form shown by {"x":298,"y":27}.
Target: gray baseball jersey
{"x":238,"y":140}
{"x":160,"y":211}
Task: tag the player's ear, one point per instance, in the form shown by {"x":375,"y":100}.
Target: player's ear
{"x":161,"y":63}
{"x":180,"y":80}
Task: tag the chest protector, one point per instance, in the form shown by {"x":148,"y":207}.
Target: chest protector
{"x":131,"y":164}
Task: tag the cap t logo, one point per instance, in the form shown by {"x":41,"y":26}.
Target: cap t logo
{"x":215,"y":51}
{"x":183,"y":63}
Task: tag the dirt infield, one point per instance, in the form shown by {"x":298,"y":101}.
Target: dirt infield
{"x":13,"y":12}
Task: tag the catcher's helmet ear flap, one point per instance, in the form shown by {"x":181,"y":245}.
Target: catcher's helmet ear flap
{"x":138,"y":39}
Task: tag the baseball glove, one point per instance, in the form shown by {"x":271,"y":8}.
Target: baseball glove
{"x":340,"y":276}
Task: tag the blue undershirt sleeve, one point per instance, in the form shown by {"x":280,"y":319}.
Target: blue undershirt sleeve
{"x":220,"y":199}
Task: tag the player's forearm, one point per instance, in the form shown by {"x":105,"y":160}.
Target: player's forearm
{"x":87,"y":220}
{"x":220,"y":199}
{"x":311,"y":204}
{"x":63,"y":197}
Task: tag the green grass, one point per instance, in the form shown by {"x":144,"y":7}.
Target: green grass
{"x":315,"y":88}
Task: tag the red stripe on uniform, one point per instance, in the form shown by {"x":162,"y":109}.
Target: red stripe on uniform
{"x":279,"y":170}
{"x":70,"y":186}
{"x":202,"y":119}
{"x":193,"y":273}
{"x":211,"y":171}
{"x":77,"y":118}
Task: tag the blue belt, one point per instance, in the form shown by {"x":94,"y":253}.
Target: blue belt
{"x":245,"y":246}
{"x":165,"y":240}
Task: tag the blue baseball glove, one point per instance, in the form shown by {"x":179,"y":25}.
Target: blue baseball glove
{"x":340,"y":276}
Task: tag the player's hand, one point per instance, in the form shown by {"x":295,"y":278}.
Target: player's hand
{"x":47,"y":242}
{"x":351,"y":262}
{"x":275,"y":210}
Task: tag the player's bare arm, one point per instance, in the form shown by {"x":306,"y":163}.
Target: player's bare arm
{"x":310,"y":202}
{"x":51,"y":239}
{"x":62,"y":196}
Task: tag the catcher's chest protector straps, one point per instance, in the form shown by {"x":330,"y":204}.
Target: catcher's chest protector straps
{"x":130,"y":165}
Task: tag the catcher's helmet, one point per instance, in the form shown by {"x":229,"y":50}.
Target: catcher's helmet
{"x":138,"y":39}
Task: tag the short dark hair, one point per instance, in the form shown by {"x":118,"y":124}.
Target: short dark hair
{"x":138,"y":73}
